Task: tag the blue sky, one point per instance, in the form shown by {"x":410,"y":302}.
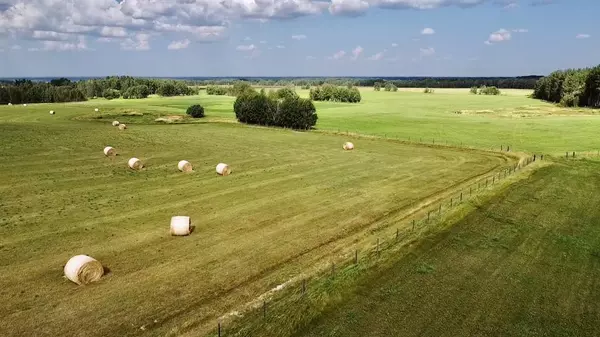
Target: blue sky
{"x":296,"y":37}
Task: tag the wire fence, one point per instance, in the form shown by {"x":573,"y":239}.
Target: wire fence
{"x":295,"y":305}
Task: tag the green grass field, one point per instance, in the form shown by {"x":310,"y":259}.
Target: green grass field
{"x":525,"y":263}
{"x":294,"y":200}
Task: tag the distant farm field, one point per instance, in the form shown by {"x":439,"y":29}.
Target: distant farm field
{"x":294,"y":199}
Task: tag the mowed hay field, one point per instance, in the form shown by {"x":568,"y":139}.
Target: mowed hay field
{"x":294,"y":200}
{"x":524,"y":263}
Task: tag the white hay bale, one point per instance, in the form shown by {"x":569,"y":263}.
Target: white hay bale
{"x":122,"y":126}
{"x":180,"y":225}
{"x":184,"y":166}
{"x":115,"y":123}
{"x":96,"y":109}
{"x":9,"y":103}
{"x":109,"y":151}
{"x":83,"y":269}
{"x":24,"y":104}
{"x":223,"y":169}
{"x":348,"y":146}
{"x":52,"y":112}
{"x":135,"y":164}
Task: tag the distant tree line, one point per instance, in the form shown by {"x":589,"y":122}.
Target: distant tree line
{"x":522,"y":82}
{"x":27,"y":91}
{"x":281,"y":108}
{"x":571,"y":87}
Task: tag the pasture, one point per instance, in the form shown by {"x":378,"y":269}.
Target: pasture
{"x":294,"y":199}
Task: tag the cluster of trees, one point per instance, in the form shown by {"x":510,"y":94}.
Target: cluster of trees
{"x":27,"y":91}
{"x":279,"y":108}
{"x":523,"y":82}
{"x":428,"y":91}
{"x":236,"y":89}
{"x":572,"y":87}
{"x":329,"y":92}
{"x":133,"y":87}
{"x":485,"y":90}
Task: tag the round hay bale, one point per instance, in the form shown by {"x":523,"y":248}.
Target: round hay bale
{"x":24,"y":104}
{"x":184,"y":166}
{"x":9,"y":103}
{"x":180,"y":225}
{"x":83,"y":269}
{"x":348,"y":146}
{"x":109,"y":151}
{"x":223,"y":169}
{"x":96,"y":110}
{"x":52,"y":112}
{"x":115,"y":123}
{"x":135,"y":164}
{"x":122,"y":126}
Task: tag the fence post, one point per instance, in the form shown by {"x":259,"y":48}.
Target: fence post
{"x":573,"y":154}
{"x":440,"y":210}
{"x":396,"y":234}
{"x":470,"y":190}
{"x":450,"y":202}
{"x":460,"y":196}
{"x":219,"y":328}
{"x":493,"y":180}
{"x":413,"y":224}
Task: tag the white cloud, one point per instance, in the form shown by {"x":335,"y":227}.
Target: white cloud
{"x":501,"y":35}
{"x":113,"y":32}
{"x":511,"y":5}
{"x":427,"y":4}
{"x":582,"y":36}
{"x":140,"y":42}
{"x":249,"y":47}
{"x":356,"y":52}
{"x":338,"y":55}
{"x":247,"y":38}
{"x":376,"y":57}
{"x":50,"y":35}
{"x":299,"y":37}
{"x":280,"y":47}
{"x":520,"y":30}
{"x":15,"y":47}
{"x":348,"y":7}
{"x":263,"y":42}
{"x":428,"y":31}
{"x":62,"y":46}
{"x":104,"y":39}
{"x":310,"y":57}
{"x":427,"y":51}
{"x":176,"y":45}
{"x":394,"y":45}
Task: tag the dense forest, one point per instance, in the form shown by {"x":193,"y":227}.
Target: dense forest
{"x":571,"y":87}
{"x":65,"y":90}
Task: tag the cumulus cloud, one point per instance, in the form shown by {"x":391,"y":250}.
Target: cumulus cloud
{"x":427,"y":4}
{"x":537,"y":3}
{"x":520,"y":30}
{"x":501,"y":35}
{"x":15,"y":47}
{"x":280,"y":47}
{"x":376,"y":57}
{"x":247,"y":38}
{"x":582,"y":36}
{"x":356,"y":52}
{"x":428,"y":31}
{"x":176,"y":45}
{"x":113,"y":32}
{"x":338,"y":55}
{"x":263,"y":42}
{"x":50,"y":35}
{"x":394,"y":45}
{"x":62,"y":46}
{"x":348,"y":7}
{"x":427,"y":51}
{"x":249,"y":47}
{"x":310,"y":57}
{"x":299,"y":37}
{"x":139,"y":42}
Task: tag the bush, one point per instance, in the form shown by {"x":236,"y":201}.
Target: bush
{"x":196,"y":111}
{"x":305,"y":87}
{"x":240,"y":87}
{"x":389,"y":86}
{"x":484,"y":90}
{"x":259,"y":108}
{"x":217,"y":90}
{"x":285,"y":93}
{"x":428,"y":91}
{"x":167,"y":89}
{"x":328,"y":92}
{"x":377,"y":86}
{"x":111,"y":94}
{"x":473,"y":90}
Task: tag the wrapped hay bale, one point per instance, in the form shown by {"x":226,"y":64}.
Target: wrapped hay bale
{"x":122,"y":126}
{"x":9,"y":103}
{"x":180,"y":225}
{"x":24,"y":104}
{"x":110,"y":151}
{"x":184,"y":166}
{"x":83,"y":269}
{"x":115,"y":123}
{"x":52,"y":112}
{"x":135,"y":164}
{"x":223,"y":169}
{"x":348,"y":146}
{"x":96,"y":110}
